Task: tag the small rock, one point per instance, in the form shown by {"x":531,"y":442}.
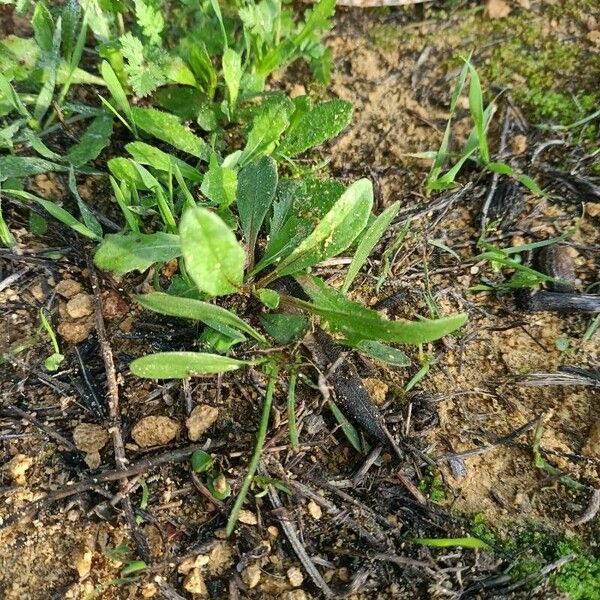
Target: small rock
{"x":251,"y":575}
{"x":194,"y":583}
{"x":518,"y":144}
{"x":154,"y":431}
{"x":220,"y":558}
{"x":295,"y":577}
{"x":89,"y":437}
{"x":83,"y":563}
{"x":294,"y":595}
{"x":315,"y":510}
{"x":497,"y":9}
{"x":194,"y":562}
{"x":593,"y":209}
{"x":67,"y":288}
{"x":377,"y":389}
{"x":149,"y":590}
{"x":113,"y":305}
{"x":297,"y":90}
{"x":247,"y":517}
{"x":77,"y":332}
{"x":17,"y":467}
{"x":80,"y":305}
{"x":92,"y":460}
{"x":201,"y":419}
{"x":592,"y":444}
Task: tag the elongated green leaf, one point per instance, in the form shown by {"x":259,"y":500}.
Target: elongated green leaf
{"x":232,"y":73}
{"x":220,"y":183}
{"x":125,"y":169}
{"x":178,"y":365}
{"x":116,"y":91}
{"x":125,"y":252}
{"x":44,"y":98}
{"x":123,"y":197}
{"x":146,"y":154}
{"x":95,"y":138}
{"x":476,"y":106}
{"x":43,"y":27}
{"x":86,"y":214}
{"x":213,"y":257}
{"x":298,"y":206}
{"x":335,"y":232}
{"x":368,"y":242}
{"x":383,"y":353}
{"x":466,"y":542}
{"x":360,"y":323}
{"x":7,"y":91}
{"x":349,"y":430}
{"x":24,"y":166}
{"x":59,"y":213}
{"x":266,"y":129}
{"x":316,"y":126}
{"x":166,"y":127}
{"x":284,"y":328}
{"x":257,"y":183}
{"x":189,"y":308}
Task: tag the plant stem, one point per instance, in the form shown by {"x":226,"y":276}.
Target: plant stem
{"x":260,"y":442}
{"x":291,"y":408}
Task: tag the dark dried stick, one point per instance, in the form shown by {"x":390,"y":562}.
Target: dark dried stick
{"x":290,"y":531}
{"x":15,"y":411}
{"x":50,"y":381}
{"x":92,"y":482}
{"x":591,"y":511}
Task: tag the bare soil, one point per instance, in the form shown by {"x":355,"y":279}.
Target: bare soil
{"x":356,"y":531}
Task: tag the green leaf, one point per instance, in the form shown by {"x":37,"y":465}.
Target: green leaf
{"x":150,"y":21}
{"x":203,"y":69}
{"x":178,"y":365}
{"x":284,"y":328}
{"x":257,"y":183}
{"x":383,"y":353}
{"x":190,"y":308}
{"x":59,"y":213}
{"x":232,"y":73}
{"x":201,"y":461}
{"x":213,"y":257}
{"x":24,"y":166}
{"x":476,"y":107}
{"x":125,"y":252}
{"x":86,"y":214}
{"x":116,"y":91}
{"x":137,"y":176}
{"x":52,"y":61}
{"x":349,"y":430}
{"x":43,"y":27}
{"x":146,"y":154}
{"x":368,"y":242}
{"x":166,"y":127}
{"x":53,"y":361}
{"x":335,"y":232}
{"x":266,"y":129}
{"x":360,"y":323}
{"x":298,"y":206}
{"x":8,"y":94}
{"x":316,"y":126}
{"x":135,"y":566}
{"x":95,"y":138}
{"x":220,"y":183}
{"x":270,"y":298}
{"x":123,"y":197}
{"x":466,"y":542}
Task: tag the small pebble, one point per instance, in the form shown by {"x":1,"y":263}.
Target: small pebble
{"x":200,"y":420}
{"x":194,"y":583}
{"x":251,"y":575}
{"x":67,"y":288}
{"x":89,"y":437}
{"x":247,"y":517}
{"x":80,"y":305}
{"x":295,"y":576}
{"x":154,"y":431}
{"x":315,"y":510}
{"x":17,"y":467}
